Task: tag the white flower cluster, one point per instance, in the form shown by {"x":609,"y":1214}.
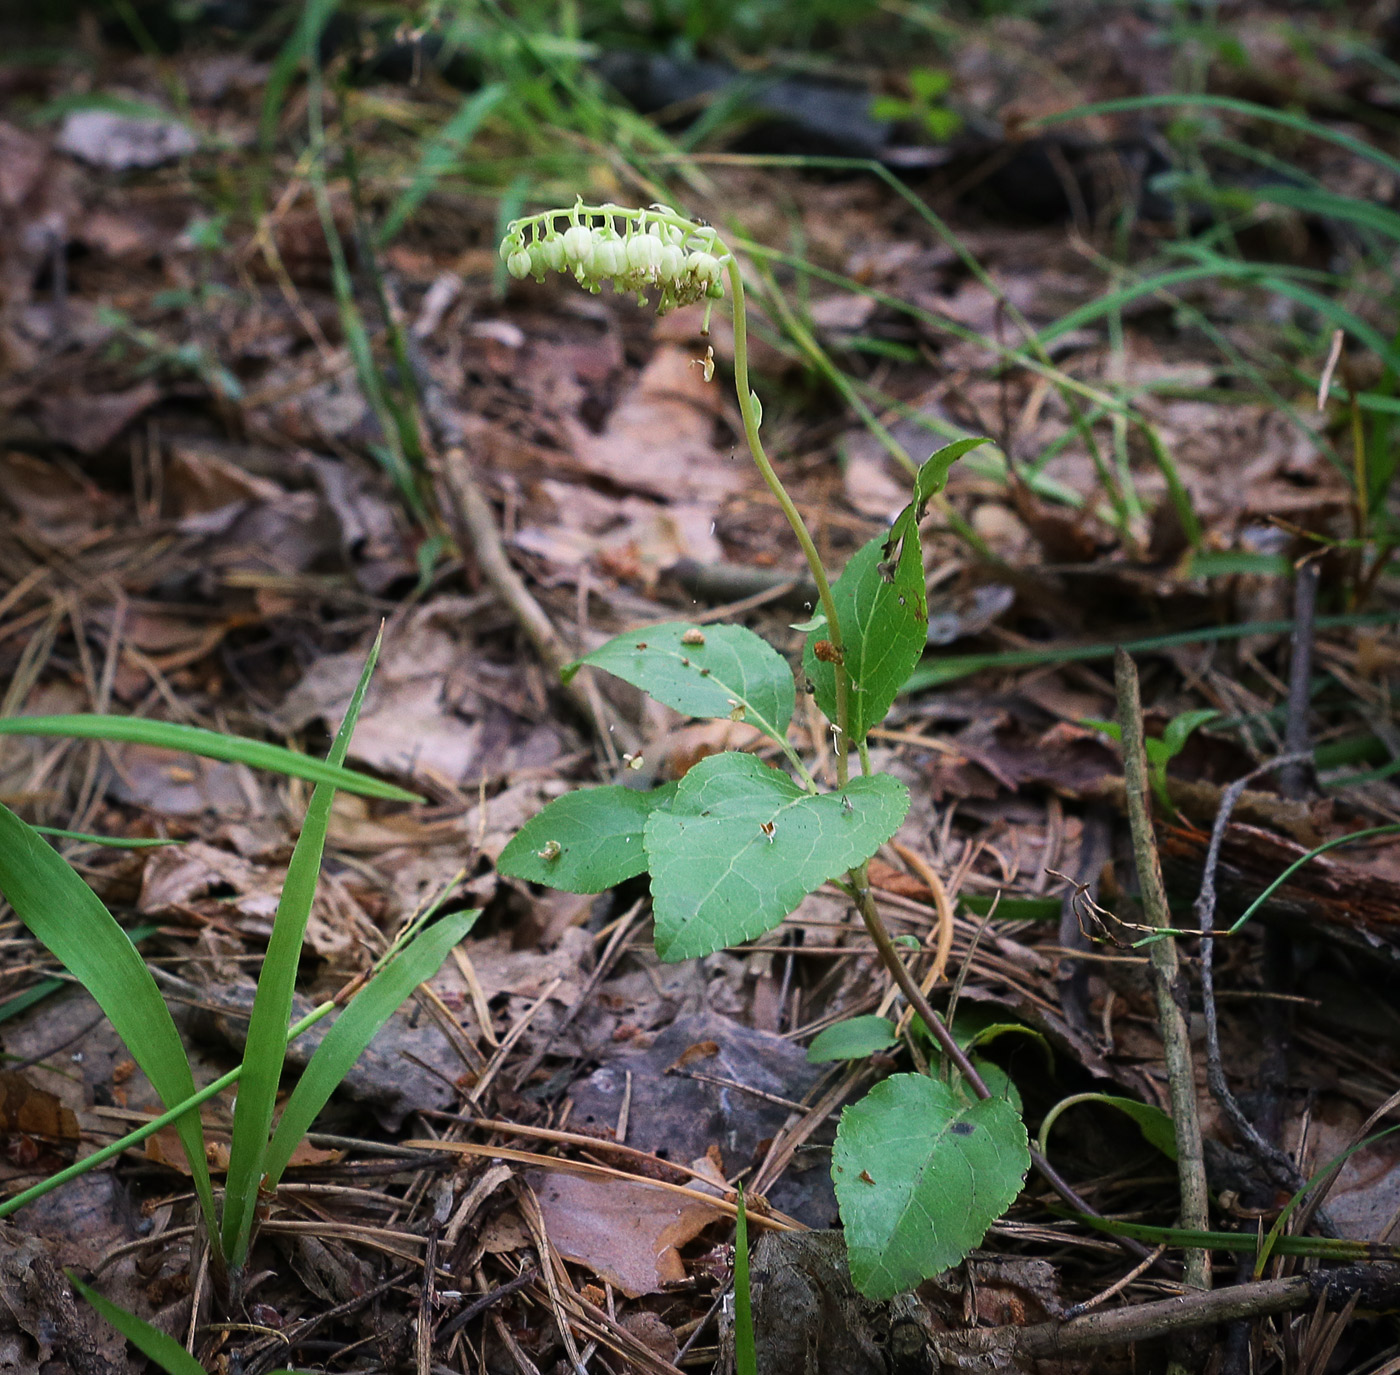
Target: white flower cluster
{"x":634,"y":249}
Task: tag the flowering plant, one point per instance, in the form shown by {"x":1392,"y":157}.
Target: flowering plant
{"x":924,"y":1163}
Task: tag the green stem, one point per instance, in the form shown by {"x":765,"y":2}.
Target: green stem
{"x":794,"y":517}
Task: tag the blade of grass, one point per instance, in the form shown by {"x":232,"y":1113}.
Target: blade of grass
{"x":70,"y":919}
{"x":745,"y":1352}
{"x":208,"y":744}
{"x":112,"y":842}
{"x":355,"y":1028}
{"x":440,"y":154}
{"x":266,"y":1047}
{"x":939,"y":671}
{"x":1287,"y":118}
{"x":150,"y":1341}
{"x":134,"y":1138}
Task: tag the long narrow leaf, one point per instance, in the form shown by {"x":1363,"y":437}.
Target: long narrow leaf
{"x":266,"y":1046}
{"x":150,"y":1341}
{"x":355,"y":1028}
{"x":69,"y":918}
{"x":210,"y":744}
{"x":441,"y":153}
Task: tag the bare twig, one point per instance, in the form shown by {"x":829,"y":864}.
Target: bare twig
{"x":1280,"y":1168}
{"x":1296,"y":779}
{"x":1184,"y":1313}
{"x":475,"y":527}
{"x":1168,"y":981}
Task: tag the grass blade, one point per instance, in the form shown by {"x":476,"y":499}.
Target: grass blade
{"x":150,"y":1341}
{"x":345,"y":1042}
{"x":745,"y":1352}
{"x":442,"y":152}
{"x":935,"y":672}
{"x":266,"y":1047}
{"x":70,"y":919}
{"x":209,"y":744}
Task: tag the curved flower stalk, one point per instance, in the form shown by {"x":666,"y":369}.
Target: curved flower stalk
{"x":658,"y":247}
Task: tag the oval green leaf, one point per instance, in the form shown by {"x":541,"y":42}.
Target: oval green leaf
{"x":741,"y":845}
{"x":853,"y":1039}
{"x":884,"y":628}
{"x":920,"y":1176}
{"x":586,"y":841}
{"x":714,"y":670}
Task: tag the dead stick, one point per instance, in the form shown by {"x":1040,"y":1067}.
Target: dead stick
{"x":1140,"y":1322}
{"x":476,"y":531}
{"x":1168,"y":982}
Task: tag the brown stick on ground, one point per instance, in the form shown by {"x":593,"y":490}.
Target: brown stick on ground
{"x":1144,"y":1321}
{"x":474,"y":526}
{"x":1167,"y":978}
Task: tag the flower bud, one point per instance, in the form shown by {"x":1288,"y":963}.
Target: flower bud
{"x":609,"y":259}
{"x":519,"y":264}
{"x":539,"y":263}
{"x":643,"y":252}
{"x":704,"y":266}
{"x":670,"y":263}
{"x":509,"y":245}
{"x":578,"y":245}
{"x":554,"y":253}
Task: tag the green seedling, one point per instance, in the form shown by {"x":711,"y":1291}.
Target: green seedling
{"x":1161,"y":752}
{"x":925,"y":106}
{"x":922,"y":1167}
{"x":67,"y":916}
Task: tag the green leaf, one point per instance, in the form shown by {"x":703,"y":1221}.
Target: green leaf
{"x":745,"y":1350}
{"x":931,"y":479}
{"x":209,"y":744}
{"x":266,"y":1047}
{"x":150,"y":1341}
{"x":1180,"y":729}
{"x":1155,"y":1125}
{"x":997,"y":1081}
{"x":586,"y":841}
{"x":720,"y":670}
{"x":741,"y":845}
{"x":69,"y":918}
{"x":884,"y":627}
{"x":853,"y":1039}
{"x":355,"y":1028}
{"x":920,"y":1177}
{"x":441,"y":154}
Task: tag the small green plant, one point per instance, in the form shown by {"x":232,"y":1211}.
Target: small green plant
{"x":925,"y":106}
{"x":921,"y":1166}
{"x":1161,"y":752}
{"x":68,"y":917}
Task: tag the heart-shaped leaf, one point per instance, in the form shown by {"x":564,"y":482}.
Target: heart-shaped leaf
{"x":586,"y":841}
{"x":717,"y":670}
{"x":884,"y":626}
{"x":741,"y":845}
{"x":920,"y":1176}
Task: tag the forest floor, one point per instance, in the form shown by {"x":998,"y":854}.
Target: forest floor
{"x":265,"y":387}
